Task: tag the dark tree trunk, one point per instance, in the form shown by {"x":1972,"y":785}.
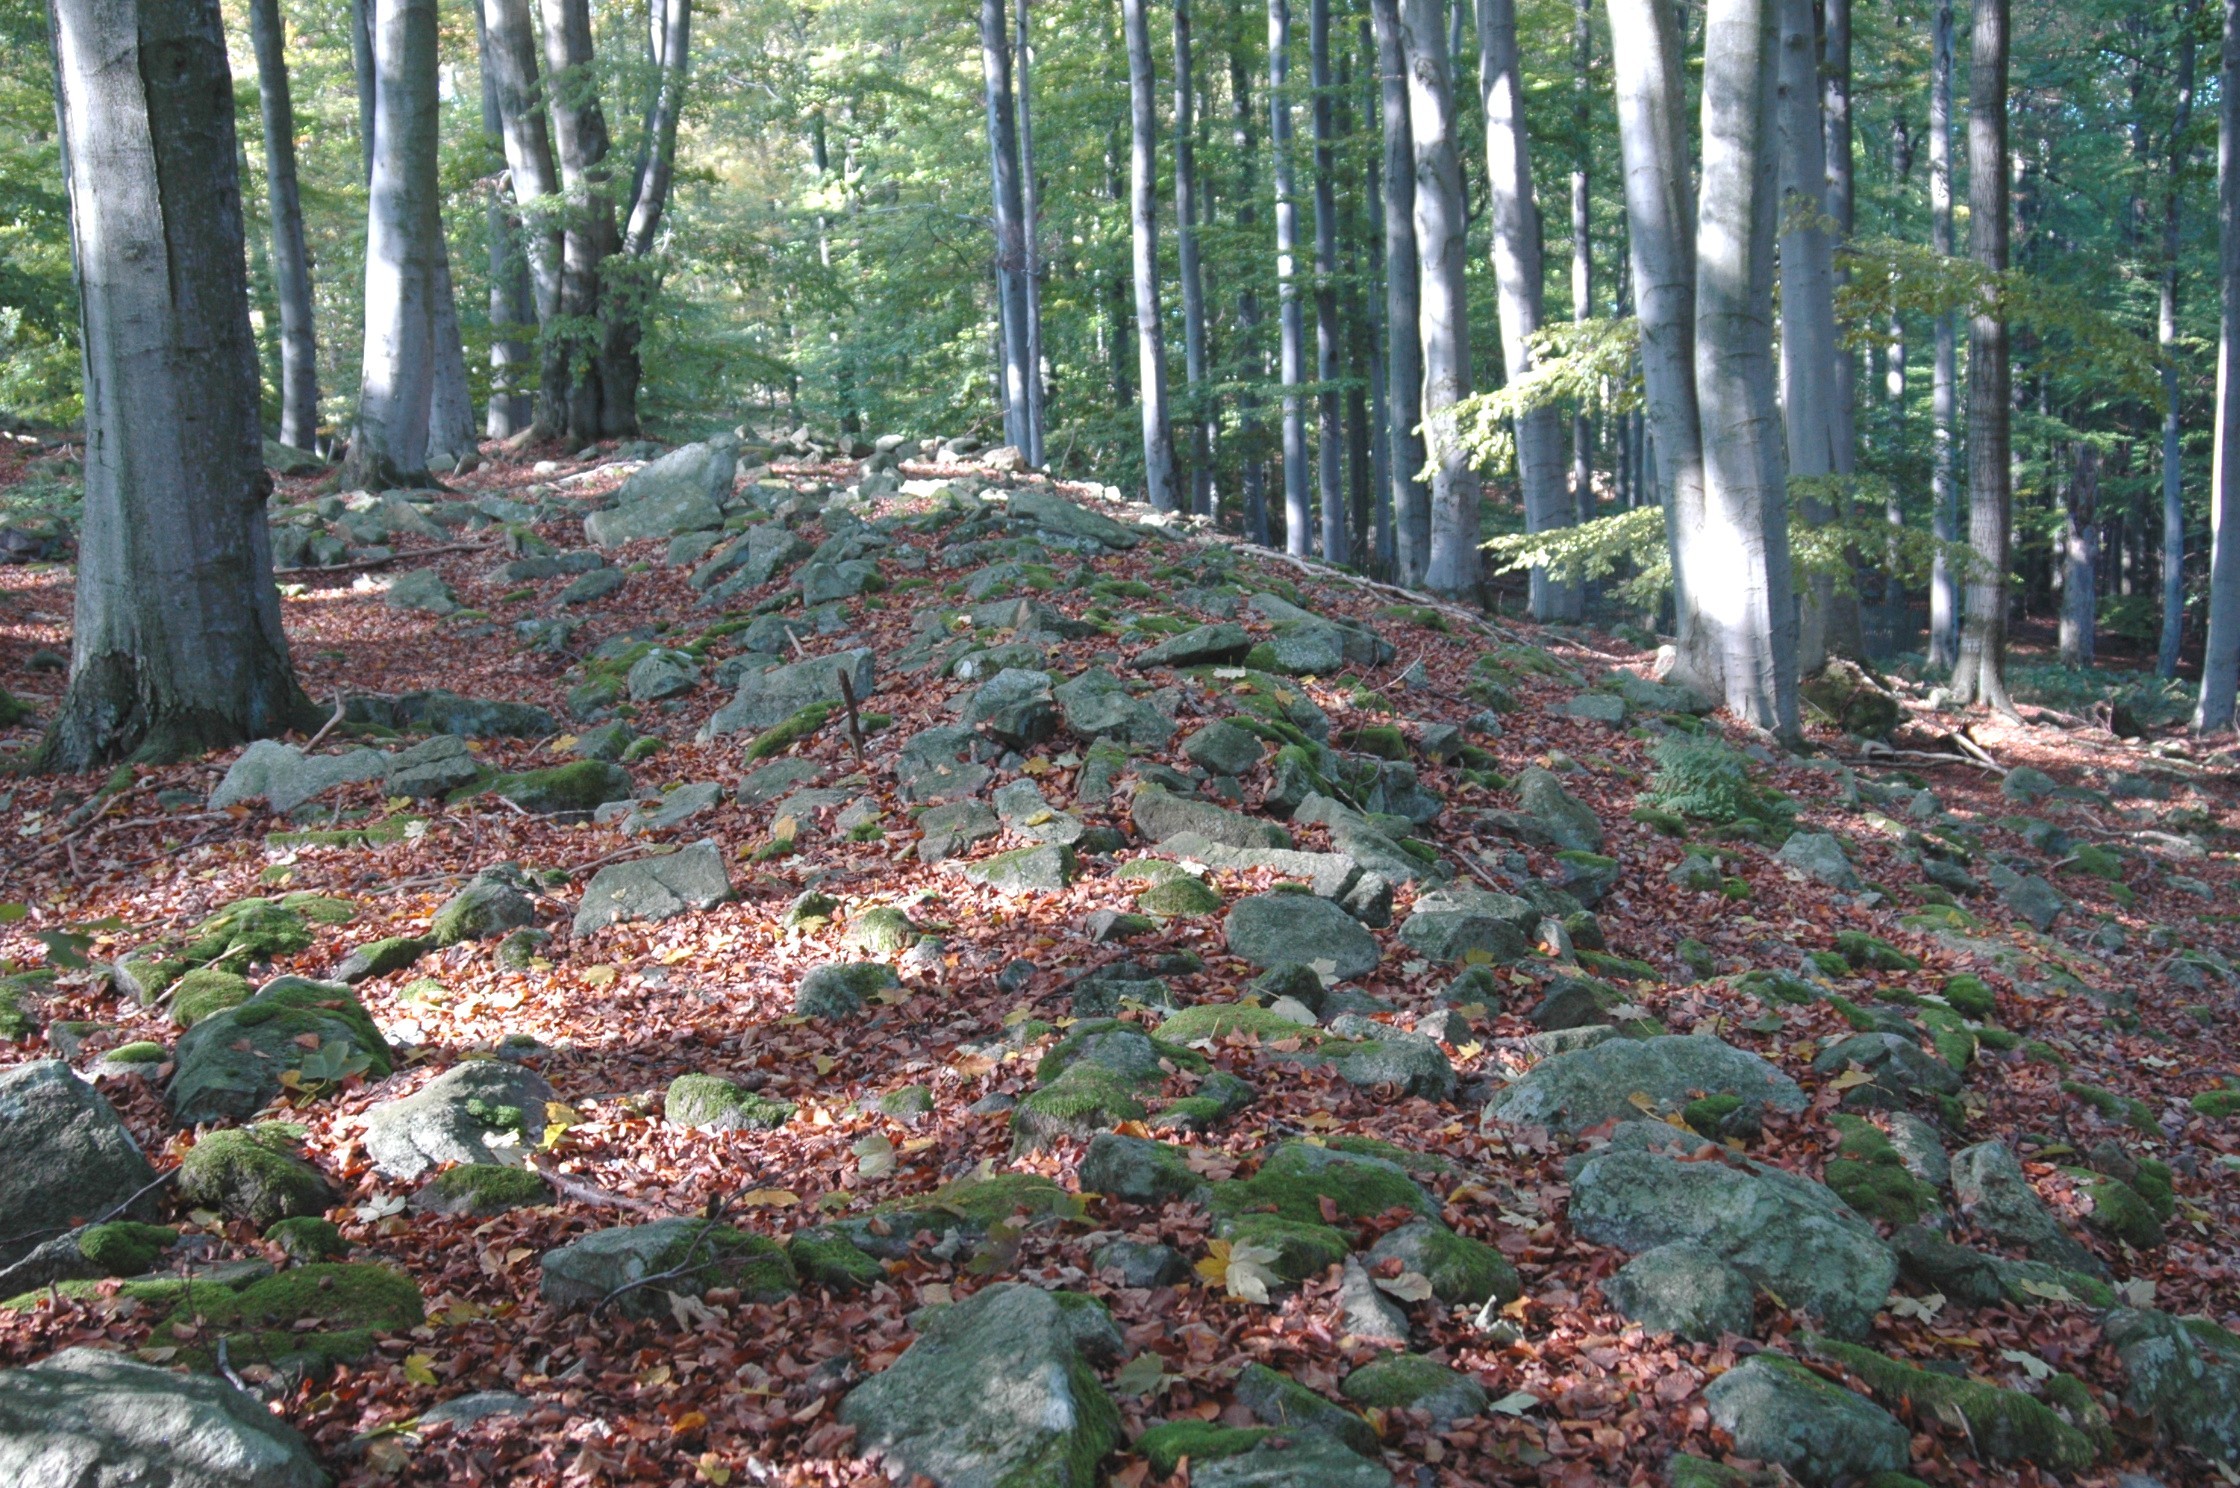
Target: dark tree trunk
{"x":1003,"y":159}
{"x":2166,"y":341}
{"x":1143,"y":217}
{"x":512,"y":58}
{"x":1200,"y":400}
{"x":513,"y":310}
{"x":361,"y":68}
{"x":657,"y":153}
{"x":1329,"y":438}
{"x":450,"y":401}
{"x":177,"y":645}
{"x":1298,"y":513}
{"x":602,"y":389}
{"x":1944,"y":374}
{"x":1980,"y":675}
{"x":1030,"y":227}
{"x":1254,"y":478}
{"x":291,"y":260}
{"x":1411,"y":499}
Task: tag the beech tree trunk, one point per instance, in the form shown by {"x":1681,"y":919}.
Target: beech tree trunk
{"x":602,"y":385}
{"x":657,"y":153}
{"x":2080,"y":511}
{"x":361,"y":67}
{"x":2166,"y":341}
{"x":291,"y":260}
{"x":450,"y":401}
{"x":1582,"y":241}
{"x":1200,"y":400}
{"x":2220,"y":661}
{"x":1742,"y":586}
{"x":403,"y":254}
{"x":535,"y":183}
{"x":1298,"y":514}
{"x":1030,"y":217}
{"x":1143,"y":218}
{"x":1329,"y":439}
{"x":1980,"y":674}
{"x":1649,"y":64}
{"x":1810,"y":354}
{"x":176,"y":643}
{"x":1443,"y":308}
{"x":513,"y":310}
{"x":1410,"y":497}
{"x":1254,"y":478}
{"x":1944,"y":374}
{"x":1517,"y":276}
{"x":1003,"y":157}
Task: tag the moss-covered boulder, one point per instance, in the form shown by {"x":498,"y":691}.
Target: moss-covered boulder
{"x":1412,"y":1382}
{"x":1870,"y":1175}
{"x":612,"y":1267}
{"x":842,"y":988}
{"x":351,"y":1304}
{"x":1296,"y":1250}
{"x":481,"y":1190}
{"x":306,"y":1238}
{"x":493,"y":902}
{"x":1462,"y":1271}
{"x":293,"y":1034}
{"x":253,"y":1175}
{"x":1169,"y":1444}
{"x":712,"y":1103}
{"x":575,"y":789}
{"x":880,"y":931}
{"x":2002,"y":1425}
{"x":969,"y":1206}
{"x":204,"y":991}
{"x":826,"y":1258}
{"x":1295,"y":1179}
{"x":1179,"y":894}
{"x":246,"y":933}
{"x":125,"y":1247}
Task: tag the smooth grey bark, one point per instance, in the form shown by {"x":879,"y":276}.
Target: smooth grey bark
{"x":291,"y":260}
{"x":1517,"y":276}
{"x":1944,"y":374}
{"x":657,"y":152}
{"x":513,"y":310}
{"x":450,"y":401}
{"x":1253,"y":480}
{"x":1329,"y":440}
{"x":1410,"y":497}
{"x":534,"y":179}
{"x":1892,"y":631}
{"x":1200,"y":400}
{"x":2080,"y":502}
{"x":1030,"y":229}
{"x":1812,"y":359}
{"x":1980,"y":673}
{"x":361,"y":69}
{"x":176,"y":643}
{"x":1380,"y":555}
{"x":1443,"y":308}
{"x":1143,"y":217}
{"x":1649,"y":65}
{"x":1291,"y":328}
{"x":1836,"y":133}
{"x":1582,"y":240}
{"x":403,"y":252}
{"x":1010,"y":244}
{"x":2166,"y":341}
{"x":602,"y":386}
{"x":1743,"y":586}
{"x":2220,"y":661}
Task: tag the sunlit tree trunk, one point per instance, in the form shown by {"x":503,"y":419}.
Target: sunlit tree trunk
{"x":1200,"y":400}
{"x":291,"y":260}
{"x":403,"y":234}
{"x":589,"y":236}
{"x":1810,"y":357}
{"x":1329,"y":440}
{"x":1291,"y":326}
{"x":1253,"y":480}
{"x":1980,"y":673}
{"x":2220,"y":661}
{"x":1517,"y":276}
{"x":2080,"y":510}
{"x":1003,"y":157}
{"x":176,"y":643}
{"x":511,"y":56}
{"x":1944,"y":374}
{"x":1582,"y":240}
{"x":657,"y":154}
{"x":513,"y":310}
{"x":2166,"y":341}
{"x":1410,"y":498}
{"x":1030,"y":229}
{"x":1743,"y":585}
{"x":1443,"y":308}
{"x":450,"y":401}
{"x":1143,"y":219}
{"x":1649,"y":65}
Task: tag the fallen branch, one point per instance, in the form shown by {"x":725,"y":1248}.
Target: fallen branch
{"x":855,"y":724}
{"x":357,"y":563}
{"x":340,"y":708}
{"x":1374,"y":586}
{"x":586,"y":1193}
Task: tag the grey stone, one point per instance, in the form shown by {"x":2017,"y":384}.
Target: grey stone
{"x":839,"y":989}
{"x":1207,"y":644}
{"x":1029,"y":814}
{"x":88,"y":1417}
{"x":494,"y":901}
{"x":1138,"y":1170}
{"x":654,"y":888}
{"x":1567,"y":819}
{"x":1596,"y":707}
{"x":1776,"y":1410}
{"x":1370,"y":900}
{"x":1919,"y":1149}
{"x":433,"y":767}
{"x":229,"y":1064}
{"x":766,"y":699}
{"x":822,"y":583}
{"x":1364,"y":840}
{"x":439,"y":712}
{"x":1332,"y":875}
{"x":1819,"y":857}
{"x":1015,"y":706}
{"x":424,"y":590}
{"x":662,"y":674}
{"x":1996,"y":1197}
{"x":1366,"y":1312}
{"x":1269,"y":929}
{"x":287,"y":777}
{"x":590,"y":588}
{"x":1573,"y":1091}
{"x":934,"y":764}
{"x":1446,"y":924}
{"x":674,"y":809}
{"x":1159,"y":814}
{"x":1898,"y":1063}
{"x":1682,"y":1289}
{"x":690,"y":547}
{"x":586,"y":1272}
{"x":482,"y":1111}
{"x":1388,"y":1056}
{"x":1223,"y":748}
{"x":1659,"y":697}
{"x":2023,"y":783}
{"x":1287,"y":1462}
{"x":1027,"y":870}
{"x":954,"y":829}
{"x":776,"y":779}
{"x":462,"y":1411}
{"x":69,"y":1157}
{"x":1412,"y":1382}
{"x":2029,"y":896}
{"x":1142,"y":1263}
{"x":683,"y":491}
{"x":996,"y":1390}
{"x":1282,"y":1402}
{"x":1097,"y":705}
{"x":2187,"y":1377}
{"x":1055,"y":514}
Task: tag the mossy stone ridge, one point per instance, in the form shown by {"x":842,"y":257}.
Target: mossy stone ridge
{"x":711,"y":1103}
{"x":253,"y":1175}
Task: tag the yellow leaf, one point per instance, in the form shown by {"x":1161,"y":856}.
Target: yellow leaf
{"x":1851,"y":1079}
{"x":917,"y":1144}
{"x":600,"y":976}
{"x":420,"y":1369}
{"x":1477,"y":956}
{"x":712,"y":1470}
{"x":1214,"y":1269}
{"x":561,"y":745}
{"x":784,"y":829}
{"x":1641,"y":1101}
{"x":1035,"y":766}
{"x":655,"y":1377}
{"x":1470,"y":1050}
{"x":824,"y":1063}
{"x":768,"y":1198}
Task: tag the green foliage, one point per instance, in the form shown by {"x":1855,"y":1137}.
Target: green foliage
{"x":1704,"y":777}
{"x":1590,"y":365}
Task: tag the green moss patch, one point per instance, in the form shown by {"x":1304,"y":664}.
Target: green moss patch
{"x":822,"y":1258}
{"x":1303,"y":1250}
{"x":1218,"y":1020}
{"x":783,"y":736}
{"x":204,"y":991}
{"x":124,"y":1247}
{"x":351,"y":1303}
{"x":2004,"y":1425}
{"x":1169,"y":1444}
{"x":1296,"y":1178}
{"x":710,"y":1103}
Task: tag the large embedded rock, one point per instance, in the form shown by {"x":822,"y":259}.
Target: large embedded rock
{"x":683,"y":491}
{"x":1583,"y":1088}
{"x":493,"y":902}
{"x":1682,"y":1289}
{"x":68,"y":1158}
{"x":1570,"y":821}
{"x":2185,"y":1373}
{"x":997,"y":1390}
{"x":1271,"y":929}
{"x":767,"y":699}
{"x":1205,"y":645}
{"x":1819,"y":857}
{"x":231,"y":1062}
{"x":1097,"y":705}
{"x":1159,"y":814}
{"x":1997,"y":1199}
{"x":1054,"y":513}
{"x":483,"y":1111}
{"x":1778,"y":1411}
{"x":1447,"y":924}
{"x":654,"y":888}
{"x":286,"y":777}
{"x":702,"y":1253}
{"x":1015,"y":706}
{"x":90,"y":1418}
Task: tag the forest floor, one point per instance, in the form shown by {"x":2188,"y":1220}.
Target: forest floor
{"x":2102,"y":1030}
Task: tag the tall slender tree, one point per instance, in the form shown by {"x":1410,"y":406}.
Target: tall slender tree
{"x":1944,"y":374}
{"x":176,"y":642}
{"x":1030,"y":219}
{"x":1410,"y":498}
{"x":513,"y":310}
{"x":2080,"y":501}
{"x":1582,"y":238}
{"x":1518,"y":274}
{"x":2166,"y":341}
{"x":1742,"y":584}
{"x":510,"y":55}
{"x":1329,"y":440}
{"x":451,"y":435}
{"x":1452,"y":566}
{"x":1143,"y":218}
{"x":1253,"y":479}
{"x":2220,"y":660}
{"x":1980,"y":673}
{"x":1291,"y":325}
{"x":291,"y":260}
{"x":1010,"y":235}
{"x":1186,"y":253}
